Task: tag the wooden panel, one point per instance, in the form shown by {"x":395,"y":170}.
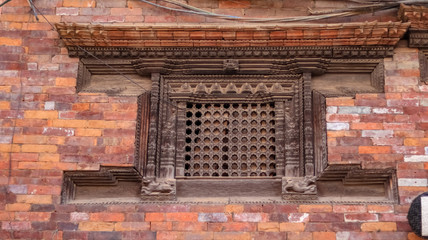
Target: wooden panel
{"x":235,"y":187}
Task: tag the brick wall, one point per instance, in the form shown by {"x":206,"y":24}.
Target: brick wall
{"x":47,"y":128}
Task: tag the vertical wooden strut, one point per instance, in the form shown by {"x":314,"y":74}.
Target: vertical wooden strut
{"x":320,"y":132}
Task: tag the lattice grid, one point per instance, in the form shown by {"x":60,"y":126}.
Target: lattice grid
{"x":230,"y":140}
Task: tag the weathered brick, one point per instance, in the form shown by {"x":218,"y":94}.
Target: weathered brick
{"x":232,"y":227}
{"x":234,"y":208}
{"x":132,"y":226}
{"x":249,"y":217}
{"x":299,"y":236}
{"x":212,"y":217}
{"x":315,"y":208}
{"x":231,"y":236}
{"x":268,"y":227}
{"x":379,"y":226}
{"x":39,"y":199}
{"x":96,"y":226}
{"x":107,"y":217}
{"x":324,"y":235}
{"x":361,"y":217}
{"x":326,"y":217}
{"x":292,"y":227}
{"x":181,"y":217}
{"x":161,"y":226}
{"x":189,"y":226}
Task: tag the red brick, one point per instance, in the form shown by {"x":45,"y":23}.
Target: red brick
{"x":108,"y":217}
{"x":299,"y":236}
{"x":132,"y":226}
{"x":366,"y":125}
{"x":324,"y":235}
{"x":232,"y":227}
{"x":231,"y":236}
{"x":161,"y":226}
{"x":33,"y":216}
{"x":374,"y":149}
{"x":360,"y":217}
{"x":379,"y":226}
{"x":189,"y":226}
{"x":326,"y":217}
{"x":268,"y":227}
{"x":181,"y":217}
{"x":340,"y":102}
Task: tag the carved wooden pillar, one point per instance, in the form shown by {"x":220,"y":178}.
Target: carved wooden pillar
{"x":159,"y":183}
{"x":308,"y":126}
{"x":153,"y":150}
{"x":181,"y":136}
{"x":280,"y":137}
{"x":292,"y":117}
{"x":142,"y":132}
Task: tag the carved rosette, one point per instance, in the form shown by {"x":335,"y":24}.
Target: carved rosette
{"x":299,"y":188}
{"x":161,"y":189}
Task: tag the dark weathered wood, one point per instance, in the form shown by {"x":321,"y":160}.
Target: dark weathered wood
{"x":308,"y":126}
{"x":142,"y":132}
{"x":229,"y":188}
{"x":423,"y":64}
{"x":320,"y":132}
{"x":107,"y":178}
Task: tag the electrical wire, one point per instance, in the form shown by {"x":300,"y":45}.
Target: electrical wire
{"x":368,"y":7}
{"x":198,"y":11}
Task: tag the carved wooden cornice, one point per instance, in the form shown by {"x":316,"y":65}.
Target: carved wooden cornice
{"x":335,"y":52}
{"x":343,"y":34}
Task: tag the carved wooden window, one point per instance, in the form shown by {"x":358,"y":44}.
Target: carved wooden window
{"x":230,"y":139}
{"x":236,"y":127}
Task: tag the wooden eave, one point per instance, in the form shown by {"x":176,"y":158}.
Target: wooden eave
{"x":289,"y":35}
{"x":416,"y":15}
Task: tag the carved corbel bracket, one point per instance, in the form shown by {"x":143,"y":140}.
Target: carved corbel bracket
{"x":160,"y":189}
{"x":299,"y":188}
{"x":230,"y":66}
{"x":316,"y":66}
{"x":144,"y":67}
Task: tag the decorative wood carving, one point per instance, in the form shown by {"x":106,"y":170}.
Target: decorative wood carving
{"x":83,"y":77}
{"x":280,"y":77}
{"x":320,"y":132}
{"x":300,"y":188}
{"x":253,"y":103}
{"x":418,"y":38}
{"x":353,"y":174}
{"x":328,"y":52}
{"x":423,"y":64}
{"x":142,"y":132}
{"x":377,"y":78}
{"x":161,"y":189}
{"x":230,"y":66}
{"x":301,"y":34}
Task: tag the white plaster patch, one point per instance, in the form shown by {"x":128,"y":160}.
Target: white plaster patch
{"x":424,"y":216}
{"x":49,"y":105}
{"x":337,"y":126}
{"x":416,"y":158}
{"x":412,"y":182}
{"x":331,"y":109}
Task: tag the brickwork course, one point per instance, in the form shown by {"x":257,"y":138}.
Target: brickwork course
{"x":47,"y":128}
